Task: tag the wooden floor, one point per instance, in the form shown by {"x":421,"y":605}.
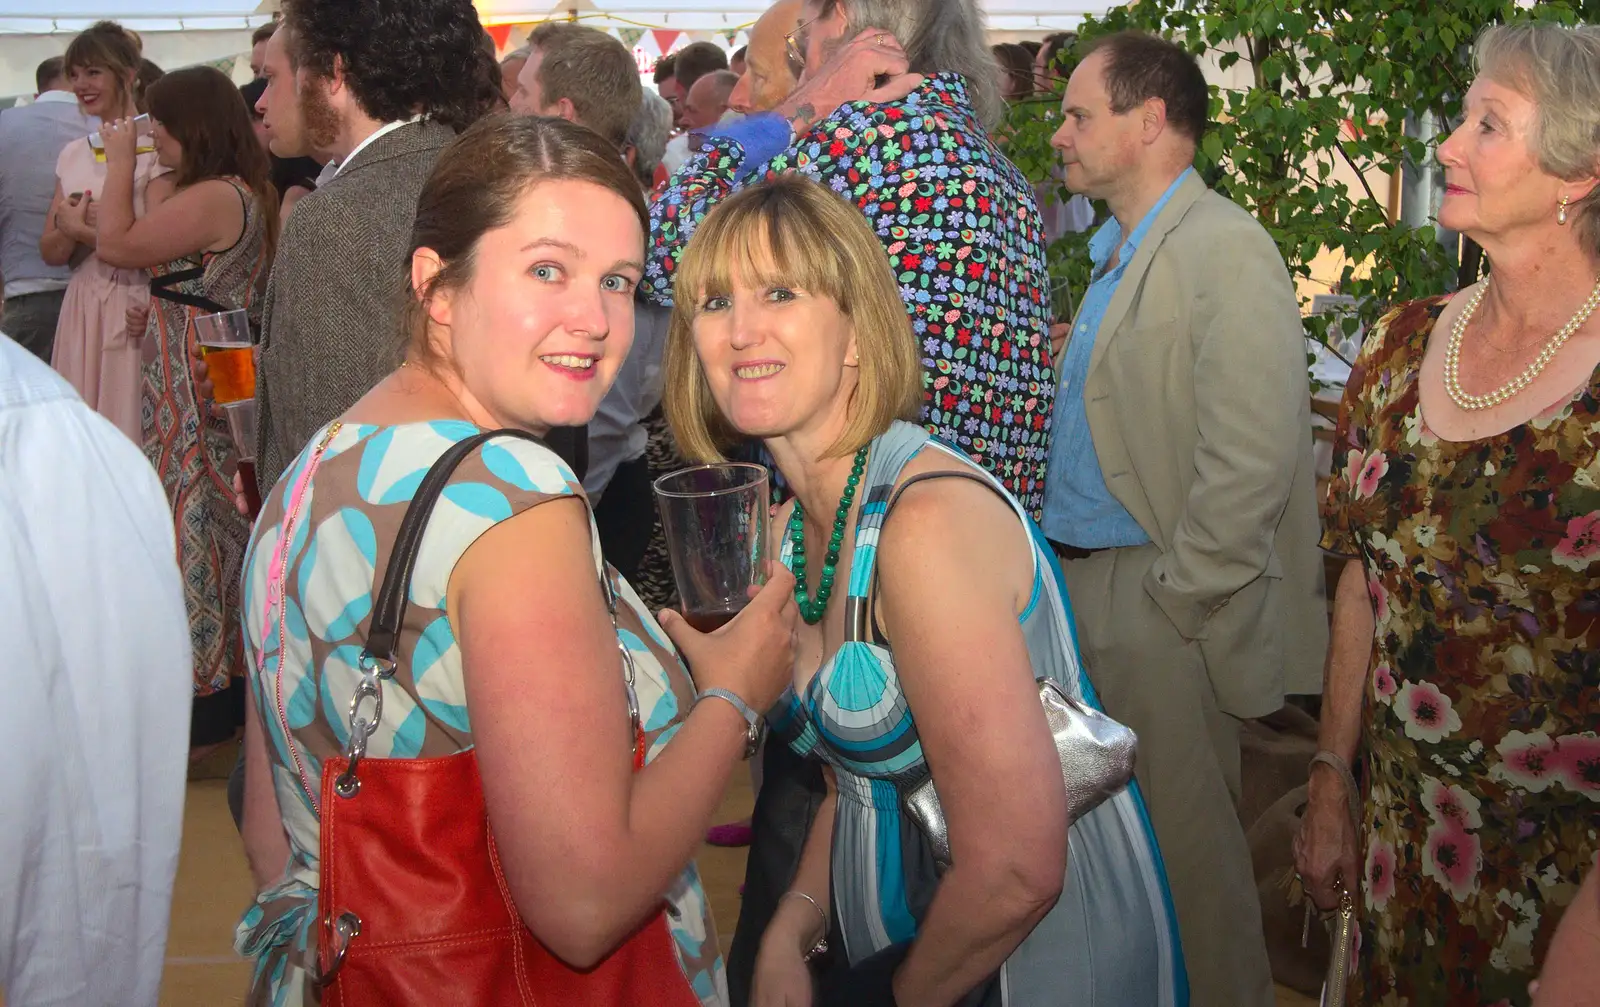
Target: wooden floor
{"x":214,"y":888}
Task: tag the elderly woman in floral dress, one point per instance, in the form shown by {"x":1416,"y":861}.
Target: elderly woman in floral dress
{"x":1467,"y":496}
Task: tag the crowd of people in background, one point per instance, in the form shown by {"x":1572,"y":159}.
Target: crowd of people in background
{"x":814,"y":254}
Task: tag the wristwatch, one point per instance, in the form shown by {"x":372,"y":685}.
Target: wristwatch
{"x":756,"y":724}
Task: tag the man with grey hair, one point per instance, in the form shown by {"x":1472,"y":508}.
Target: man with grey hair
{"x":708,"y":100}
{"x":510,"y":69}
{"x":647,"y":137}
{"x":769,"y":76}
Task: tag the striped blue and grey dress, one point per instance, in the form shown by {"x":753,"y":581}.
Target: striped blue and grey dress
{"x":1112,"y":939}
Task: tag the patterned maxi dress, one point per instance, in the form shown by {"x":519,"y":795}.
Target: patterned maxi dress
{"x":1112,"y":939}
{"x":193,"y":453}
{"x":302,"y":671}
{"x":1482,"y":763}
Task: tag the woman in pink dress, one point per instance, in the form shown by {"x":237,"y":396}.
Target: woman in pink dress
{"x":94,"y":349}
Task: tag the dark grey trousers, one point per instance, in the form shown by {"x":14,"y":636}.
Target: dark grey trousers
{"x":31,"y":319}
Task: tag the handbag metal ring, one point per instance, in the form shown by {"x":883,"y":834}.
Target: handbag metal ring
{"x":368,"y":662}
{"x":347,"y":784}
{"x":367,"y":688}
{"x":348,"y":926}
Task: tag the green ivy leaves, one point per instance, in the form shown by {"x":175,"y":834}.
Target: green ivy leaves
{"x":1311,"y":122}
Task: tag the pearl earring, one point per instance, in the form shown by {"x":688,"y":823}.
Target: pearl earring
{"x":1561,"y":214}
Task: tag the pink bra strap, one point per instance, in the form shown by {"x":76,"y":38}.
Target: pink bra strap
{"x":276,"y":580}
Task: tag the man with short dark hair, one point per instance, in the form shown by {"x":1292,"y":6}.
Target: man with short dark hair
{"x":258,"y":47}
{"x":666,"y":77}
{"x":690,"y":63}
{"x":708,"y":100}
{"x":695,"y":60}
{"x":582,"y":75}
{"x":342,"y":85}
{"x":31,"y":139}
{"x":1180,"y":489}
{"x":1049,"y":63}
{"x":736,"y":62}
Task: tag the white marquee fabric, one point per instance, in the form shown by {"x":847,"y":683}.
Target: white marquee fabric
{"x":183,"y":32}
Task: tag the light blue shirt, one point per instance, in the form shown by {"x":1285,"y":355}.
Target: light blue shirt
{"x":1078,"y":508}
{"x":31,"y":139}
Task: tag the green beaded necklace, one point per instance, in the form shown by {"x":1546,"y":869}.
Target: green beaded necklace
{"x":811,"y":610}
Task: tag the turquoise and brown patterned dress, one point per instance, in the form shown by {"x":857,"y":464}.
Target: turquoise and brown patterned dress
{"x":1483,"y":699}
{"x":349,"y":519}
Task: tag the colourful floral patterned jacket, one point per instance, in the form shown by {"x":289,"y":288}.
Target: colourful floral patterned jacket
{"x":963,"y":234}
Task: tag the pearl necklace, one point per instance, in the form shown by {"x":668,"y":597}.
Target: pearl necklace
{"x":1452,"y":355}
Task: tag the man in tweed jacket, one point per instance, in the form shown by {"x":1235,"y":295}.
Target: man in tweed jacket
{"x":378,"y":88}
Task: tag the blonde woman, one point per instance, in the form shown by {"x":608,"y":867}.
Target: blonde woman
{"x":96,"y":347}
{"x":930,"y":605}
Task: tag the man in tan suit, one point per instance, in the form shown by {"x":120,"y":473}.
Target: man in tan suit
{"x":1180,"y":488}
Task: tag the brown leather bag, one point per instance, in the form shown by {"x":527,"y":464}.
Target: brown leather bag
{"x":415,"y":911}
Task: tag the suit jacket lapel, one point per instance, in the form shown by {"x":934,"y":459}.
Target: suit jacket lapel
{"x":1188,"y":192}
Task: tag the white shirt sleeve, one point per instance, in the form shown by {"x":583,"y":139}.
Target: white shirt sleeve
{"x":41,"y":956}
{"x":98,"y":684}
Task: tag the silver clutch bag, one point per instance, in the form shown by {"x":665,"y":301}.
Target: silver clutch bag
{"x":1097,"y":757}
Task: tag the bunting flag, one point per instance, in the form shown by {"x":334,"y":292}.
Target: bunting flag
{"x":665,"y":37}
{"x":501,"y":33}
{"x":630,"y":36}
{"x":519,"y":35}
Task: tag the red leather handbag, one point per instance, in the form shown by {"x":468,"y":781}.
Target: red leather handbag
{"x":415,"y":911}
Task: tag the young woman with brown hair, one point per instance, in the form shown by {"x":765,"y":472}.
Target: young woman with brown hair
{"x":208,"y":248}
{"x":93,"y":349}
{"x":527,"y":247}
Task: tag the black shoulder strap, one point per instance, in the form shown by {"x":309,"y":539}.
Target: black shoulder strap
{"x":871,"y":621}
{"x":390,"y":608}
{"x":943,"y":474}
{"x":161,"y":286}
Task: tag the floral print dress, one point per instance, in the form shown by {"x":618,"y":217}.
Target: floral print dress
{"x":963,"y":234}
{"x":1482,"y":763}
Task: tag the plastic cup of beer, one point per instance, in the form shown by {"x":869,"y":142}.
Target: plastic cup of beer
{"x":715,"y":518}
{"x":242,"y":427}
{"x":143,"y":137}
{"x":230,"y":358}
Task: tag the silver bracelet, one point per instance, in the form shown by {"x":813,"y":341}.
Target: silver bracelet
{"x":754,"y":723}
{"x":821,"y":947}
